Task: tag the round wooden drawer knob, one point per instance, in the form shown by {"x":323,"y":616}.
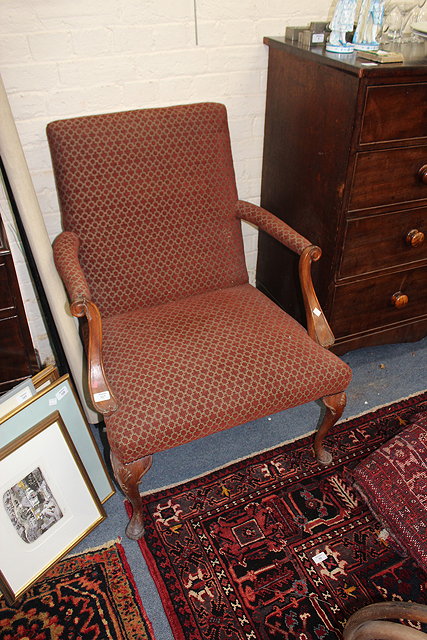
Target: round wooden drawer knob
{"x":414,"y":238}
{"x":422,"y":173}
{"x":399,"y":299}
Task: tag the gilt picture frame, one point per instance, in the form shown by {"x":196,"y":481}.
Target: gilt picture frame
{"x":60,"y":395}
{"x":45,"y":377}
{"x":47,"y":504}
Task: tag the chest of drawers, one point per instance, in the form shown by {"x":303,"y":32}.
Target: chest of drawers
{"x":345,"y":163}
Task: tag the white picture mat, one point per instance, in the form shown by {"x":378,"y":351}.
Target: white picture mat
{"x":21,"y":562}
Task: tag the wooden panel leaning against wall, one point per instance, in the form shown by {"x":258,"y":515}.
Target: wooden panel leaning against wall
{"x":18,"y":359}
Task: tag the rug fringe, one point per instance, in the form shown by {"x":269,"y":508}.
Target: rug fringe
{"x":280,"y":444}
{"x":386,"y":404}
{"x":227,"y":464}
{"x":105,"y":545}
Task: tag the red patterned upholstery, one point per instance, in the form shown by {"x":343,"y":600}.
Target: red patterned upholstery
{"x":272,"y":225}
{"x":108,"y":169}
{"x":206,"y":363}
{"x":67,"y":261}
{"x":189,"y":347}
{"x":393,"y":480}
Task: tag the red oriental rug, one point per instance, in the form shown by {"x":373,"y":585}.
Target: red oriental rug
{"x":275,"y":546}
{"x":89,"y":596}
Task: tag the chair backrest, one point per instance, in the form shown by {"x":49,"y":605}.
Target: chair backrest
{"x":151,"y":194}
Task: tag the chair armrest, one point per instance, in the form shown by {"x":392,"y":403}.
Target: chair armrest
{"x":66,"y":258}
{"x":317,"y":325}
{"x":65,"y":253}
{"x":272,"y":225}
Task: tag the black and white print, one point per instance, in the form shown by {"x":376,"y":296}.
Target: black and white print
{"x":31,"y":506}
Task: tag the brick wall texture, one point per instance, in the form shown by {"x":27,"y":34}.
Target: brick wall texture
{"x":60,"y":59}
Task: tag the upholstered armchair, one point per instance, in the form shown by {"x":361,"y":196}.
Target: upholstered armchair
{"x":179,"y":345}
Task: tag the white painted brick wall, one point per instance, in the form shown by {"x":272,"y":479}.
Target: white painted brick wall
{"x":61,"y":59}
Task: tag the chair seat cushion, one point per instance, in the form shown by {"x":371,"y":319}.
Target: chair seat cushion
{"x":393,"y":481}
{"x":194,"y":366}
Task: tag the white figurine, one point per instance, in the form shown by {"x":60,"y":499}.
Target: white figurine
{"x":341,"y":23}
{"x":366,"y":37}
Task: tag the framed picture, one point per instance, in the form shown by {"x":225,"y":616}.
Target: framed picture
{"x":60,"y":396}
{"x":15,"y":397}
{"x":45,"y":377}
{"x":47,"y":504}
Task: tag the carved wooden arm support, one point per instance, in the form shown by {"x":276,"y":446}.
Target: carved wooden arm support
{"x":100,"y":391}
{"x":317,"y":325}
{"x":65,"y":253}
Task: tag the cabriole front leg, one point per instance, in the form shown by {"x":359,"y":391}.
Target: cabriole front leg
{"x":334,"y":408}
{"x":128,"y":477}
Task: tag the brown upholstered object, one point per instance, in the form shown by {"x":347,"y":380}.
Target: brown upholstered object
{"x":66,"y":256}
{"x":201,"y":364}
{"x":272,"y":225}
{"x":393,"y":481}
{"x":141,"y":245}
{"x":189,"y":346}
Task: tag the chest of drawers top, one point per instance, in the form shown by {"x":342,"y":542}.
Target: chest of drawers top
{"x":414,"y":54}
{"x":394,"y":95}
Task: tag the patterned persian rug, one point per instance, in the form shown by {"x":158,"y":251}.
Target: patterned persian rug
{"x":89,"y":596}
{"x":275,"y":546}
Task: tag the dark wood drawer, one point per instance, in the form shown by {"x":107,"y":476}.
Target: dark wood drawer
{"x":394,"y":112}
{"x":366,"y":304}
{"x":379,"y":242}
{"x":388,"y":177}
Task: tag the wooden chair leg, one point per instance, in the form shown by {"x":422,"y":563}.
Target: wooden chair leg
{"x":334,"y":407}
{"x":128,"y":477}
